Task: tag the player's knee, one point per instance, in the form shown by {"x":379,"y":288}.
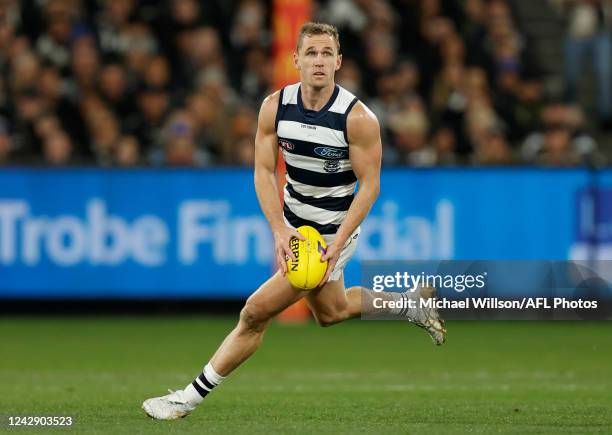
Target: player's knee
{"x":325,"y":321}
{"x":253,"y":317}
{"x":328,"y":319}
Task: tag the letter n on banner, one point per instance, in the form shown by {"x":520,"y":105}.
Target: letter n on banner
{"x":287,"y":18}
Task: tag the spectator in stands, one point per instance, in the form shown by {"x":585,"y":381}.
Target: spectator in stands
{"x":46,"y":125}
{"x":492,"y":148}
{"x":127,"y":152}
{"x":57,"y":149}
{"x":529,"y":104}
{"x":255,"y":82}
{"x":84,"y":68}
{"x":180,"y":147}
{"x":181,"y":151}
{"x":105,"y":132}
{"x":474,"y":32}
{"x":24,"y":71}
{"x":561,"y":136}
{"x":349,"y":77}
{"x":557,"y":148}
{"x":154,"y":106}
{"x":63,"y":26}
{"x":53,"y":92}
{"x":141,"y":46}
{"x":212,"y":83}
{"x":210,"y":122}
{"x":29,"y":106}
{"x":248,"y":38}
{"x":447,"y":91}
{"x":157,"y":73}
{"x":243,"y":124}
{"x":589,"y":33}
{"x":112,"y":23}
{"x":177,"y":82}
{"x":444,"y":144}
{"x":245,"y":152}
{"x":5,"y":143}
{"x":480,"y":120}
{"x":114,"y":90}
{"x":409,"y":131}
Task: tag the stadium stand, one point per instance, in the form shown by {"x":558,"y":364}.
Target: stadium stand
{"x":138,"y":83}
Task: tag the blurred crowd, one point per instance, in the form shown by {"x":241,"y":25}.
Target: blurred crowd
{"x":179,"y":82}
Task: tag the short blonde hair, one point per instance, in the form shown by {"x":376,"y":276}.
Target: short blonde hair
{"x":312,"y":29}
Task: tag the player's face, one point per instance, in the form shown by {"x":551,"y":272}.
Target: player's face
{"x":317,"y":60}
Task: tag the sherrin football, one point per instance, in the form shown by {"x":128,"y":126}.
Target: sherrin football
{"x":308,"y":271}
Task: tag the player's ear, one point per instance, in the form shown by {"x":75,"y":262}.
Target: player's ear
{"x":338,"y":62}
{"x":296,"y":64}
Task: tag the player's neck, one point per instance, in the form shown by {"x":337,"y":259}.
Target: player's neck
{"x":315,"y":99}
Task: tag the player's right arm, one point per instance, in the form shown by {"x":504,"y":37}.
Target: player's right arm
{"x":266,"y":184}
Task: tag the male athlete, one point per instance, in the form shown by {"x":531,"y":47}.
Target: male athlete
{"x":330,"y":140}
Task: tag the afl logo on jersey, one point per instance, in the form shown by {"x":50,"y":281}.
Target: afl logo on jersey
{"x":330,"y":153}
{"x":285,"y":144}
{"x":331,"y":166}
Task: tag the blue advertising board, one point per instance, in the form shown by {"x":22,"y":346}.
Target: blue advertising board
{"x":95,"y":233}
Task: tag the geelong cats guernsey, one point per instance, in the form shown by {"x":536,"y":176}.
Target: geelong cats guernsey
{"x":320,"y":180}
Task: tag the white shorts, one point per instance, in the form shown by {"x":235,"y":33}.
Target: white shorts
{"x":345,"y":255}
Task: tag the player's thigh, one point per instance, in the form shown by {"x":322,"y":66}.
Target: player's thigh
{"x":272,"y":297}
{"x":329,"y":300}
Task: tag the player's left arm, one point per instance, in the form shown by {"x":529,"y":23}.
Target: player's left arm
{"x":365,"y":154}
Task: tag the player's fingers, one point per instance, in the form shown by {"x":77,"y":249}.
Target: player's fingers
{"x":330,"y":255}
{"x":287,"y":250}
{"x":282,"y":262}
{"x":281,"y":257}
{"x":296,"y":233}
{"x":325,"y":278}
{"x":330,"y":268}
{"x":327,"y":253}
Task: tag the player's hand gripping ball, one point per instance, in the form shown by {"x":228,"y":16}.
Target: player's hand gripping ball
{"x":308,"y":271}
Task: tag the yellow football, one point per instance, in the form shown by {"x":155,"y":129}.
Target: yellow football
{"x":308,"y":271}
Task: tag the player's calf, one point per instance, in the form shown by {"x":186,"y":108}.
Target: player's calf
{"x":271,"y":298}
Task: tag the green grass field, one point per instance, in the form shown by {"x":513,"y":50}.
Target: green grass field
{"x":359,"y":377}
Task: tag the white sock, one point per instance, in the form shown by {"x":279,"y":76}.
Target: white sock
{"x":202,"y":385}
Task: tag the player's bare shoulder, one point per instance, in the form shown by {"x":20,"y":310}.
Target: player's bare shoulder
{"x":267,"y":112}
{"x":362,"y":125}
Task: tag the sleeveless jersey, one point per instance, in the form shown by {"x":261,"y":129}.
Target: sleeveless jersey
{"x":320,"y":180}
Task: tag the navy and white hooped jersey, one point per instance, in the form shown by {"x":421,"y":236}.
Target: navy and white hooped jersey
{"x":320,"y":179}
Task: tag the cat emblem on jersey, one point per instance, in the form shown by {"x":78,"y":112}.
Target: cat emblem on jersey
{"x":331,"y":166}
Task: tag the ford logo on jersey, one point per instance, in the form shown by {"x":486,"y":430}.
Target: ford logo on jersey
{"x":330,"y":153}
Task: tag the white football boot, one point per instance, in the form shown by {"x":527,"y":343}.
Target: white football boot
{"x":168,"y":407}
{"x":424,"y":317}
